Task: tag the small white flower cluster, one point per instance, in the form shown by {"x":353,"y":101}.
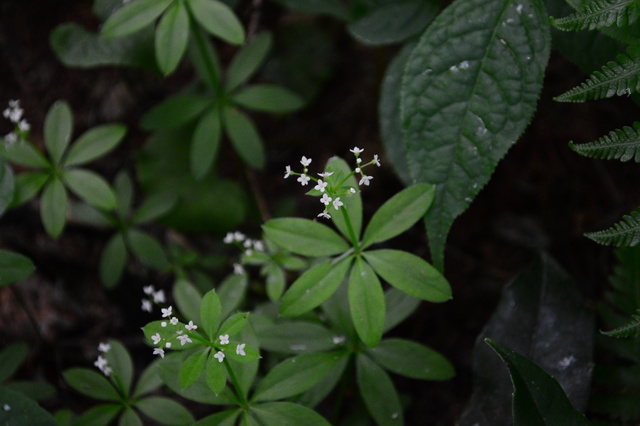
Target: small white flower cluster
{"x":331,"y":194}
{"x":247,"y":244}
{"x":154,"y":296}
{"x":14,"y":114}
{"x":101,"y":362}
{"x":6,"y":407}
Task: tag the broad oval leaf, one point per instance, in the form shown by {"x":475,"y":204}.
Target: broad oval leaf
{"x":205,"y":142}
{"x":91,"y":384}
{"x":410,"y":274}
{"x":244,"y":137}
{"x":112,"y":261}
{"x":399,"y":213}
{"x":286,"y":413}
{"x":248,"y":59}
{"x":122,"y":365}
{"x":15,"y":267}
{"x":193,"y":367}
{"x":153,"y":207}
{"x":24,"y":154}
{"x":133,"y":17}
{"x":378,"y":392}
{"x":147,"y":249}
{"x":210,"y":313}
{"x":12,"y":356}
{"x":94,"y":143}
{"x":366,"y":300}
{"x":218,"y":19}
{"x":91,"y":187}
{"x":172,"y":35}
{"x":469,"y":90}
{"x":187,"y":299}
{"x":303,"y":236}
{"x":412,"y":359}
{"x":174,"y":112}
{"x":53,"y":207}
{"x":27,"y":186}
{"x":234,"y":324}
{"x":100,"y":415}
{"x":296,"y":337}
{"x":294,"y":376}
{"x":314,"y":287}
{"x":23,"y":410}
{"x":268,"y":98}
{"x":58,"y":125}
{"x":215,"y":375}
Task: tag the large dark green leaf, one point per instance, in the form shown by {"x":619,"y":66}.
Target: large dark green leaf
{"x":13,"y":267}
{"x":18,"y":410}
{"x":470,"y":88}
{"x":378,"y":392}
{"x":7,"y":185}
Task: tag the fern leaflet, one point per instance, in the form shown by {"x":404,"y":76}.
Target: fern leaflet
{"x":620,"y":144}
{"x":630,"y":329}
{"x":599,"y":14}
{"x":616,"y":78}
{"x":624,"y":233}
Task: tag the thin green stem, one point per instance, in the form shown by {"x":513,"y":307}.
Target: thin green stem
{"x":352,"y":234}
{"x":202,"y":48}
{"x":236,"y":385}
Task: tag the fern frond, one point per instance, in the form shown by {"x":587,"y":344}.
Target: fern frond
{"x":616,"y":78}
{"x":630,"y":329}
{"x":599,"y":14}
{"x":624,"y":233}
{"x":620,"y":144}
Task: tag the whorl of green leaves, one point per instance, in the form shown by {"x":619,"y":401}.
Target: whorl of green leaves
{"x":630,"y":329}
{"x":599,"y":14}
{"x":618,"y":77}
{"x":620,"y":144}
{"x":624,"y":233}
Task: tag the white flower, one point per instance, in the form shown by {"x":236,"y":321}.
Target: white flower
{"x":338,"y":340}
{"x":167,"y":345}
{"x":219,"y":356}
{"x":11,"y":138}
{"x":224,"y":339}
{"x":359,"y":160}
{"x":352,"y":190}
{"x":104,"y":347}
{"x":148,"y":289}
{"x":325,"y":215}
{"x":238,"y":236}
{"x":6,"y":407}
{"x":156,"y":338}
{"x":166,"y":312}
{"x":163,"y":324}
{"x":358,"y":169}
{"x":305,"y":161}
{"x":248,"y":252}
{"x":356,"y":150}
{"x":107,"y":370}
{"x":337,"y":203}
{"x":365,"y":180}
{"x":191,"y":326}
{"x":258,"y":245}
{"x":158,"y":297}
{"x":238,"y":269}
{"x":158,"y":351}
{"x":325,"y":199}
{"x":287,"y":172}
{"x":303,"y":179}
{"x":326,"y":174}
{"x":146,"y":305}
{"x":228,"y":239}
{"x":240,"y":349}
{"x":174,"y":321}
{"x":101,"y":363}
{"x":184,"y":339}
{"x":24,"y":126}
{"x":247,"y":243}
{"x":376,"y":160}
{"x":320,"y":186}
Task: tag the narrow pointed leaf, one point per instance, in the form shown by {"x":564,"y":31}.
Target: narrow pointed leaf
{"x":620,"y":144}
{"x":94,"y":143}
{"x":187,"y":299}
{"x":90,"y":187}
{"x":112,"y":261}
{"x":174,"y":112}
{"x":205,"y":142}
{"x":215,"y":375}
{"x":469,"y":90}
{"x":303,"y":236}
{"x":286,"y":413}
{"x":122,"y":365}
{"x":133,"y":17}
{"x":538,"y":399}
{"x":91,"y":383}
{"x":410,"y":274}
{"x":234,"y":324}
{"x":399,"y":307}
{"x":366,"y":300}
{"x":314,"y":287}
{"x":23,"y":410}
{"x":58,"y":125}
{"x":192,"y":368}
{"x":27,"y":186}
{"x":154,"y":207}
{"x":15,"y":267}
{"x":597,"y":14}
{"x":24,"y":154}
{"x":149,"y":380}
{"x":129,"y":418}
{"x":296,"y":337}
{"x":12,"y":356}
{"x":378,"y":392}
{"x":53,"y":207}
{"x":218,"y":19}
{"x":101,"y":415}
{"x":148,"y":250}
{"x":210,"y":313}
{"x":172,"y":35}
{"x":248,"y":60}
{"x":399,"y":213}
{"x":412,"y":359}
{"x":164,"y":410}
{"x":352,"y":204}
{"x":626,"y":232}
{"x":268,"y":98}
{"x":245,"y":138}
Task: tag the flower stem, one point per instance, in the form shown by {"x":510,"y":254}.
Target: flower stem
{"x":352,"y":234}
{"x":236,"y":385}
{"x":202,"y":47}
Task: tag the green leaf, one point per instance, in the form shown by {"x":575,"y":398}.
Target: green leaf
{"x":101,"y":415}
{"x":27,"y":186}
{"x":353,"y":203}
{"x":314,"y":287}
{"x":597,"y":14}
{"x":217,"y":19}
{"x":624,"y":233}
{"x":187,"y":299}
{"x":223,"y":418}
{"x":214,"y":374}
{"x":333,"y":8}
{"x":629,"y":329}
{"x":193,"y":367}
{"x":148,"y":250}
{"x":112,"y":261}
{"x":412,"y":359}
{"x":168,"y":334}
{"x":538,"y":399}
{"x":58,"y":125}
{"x":129,"y":418}
{"x":12,"y":356}
{"x":399,"y":307}
{"x":174,"y":112}
{"x":149,"y":380}
{"x":294,"y":376}
{"x":204,"y":58}
{"x":378,"y":392}
{"x":296,"y":337}
{"x":154,"y":207}
{"x":248,"y":60}
{"x":91,"y":384}
{"x":410,"y":274}
{"x":122,"y":365}
{"x":268,"y":98}
{"x":622,"y":145}
{"x":233,"y":325}
{"x":90,"y":187}
{"x":303,"y":236}
{"x":210,"y":313}
{"x":366,"y":300}
{"x":393,"y":22}
{"x":275,"y":282}
{"x":399,"y":213}
{"x":232,"y":290}
{"x":53,"y":207}
{"x":94,"y":143}
{"x":123,"y":187}
{"x":469,"y":90}
{"x":164,"y":410}
{"x":24,"y":154}
{"x":172,"y":35}
{"x":38,"y":391}
{"x":7,"y":185}
{"x":287,"y":413}
{"x":23,"y":410}
{"x":205,"y":143}
{"x":133,"y":17}
{"x":244,"y":137}
{"x":14,"y":267}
